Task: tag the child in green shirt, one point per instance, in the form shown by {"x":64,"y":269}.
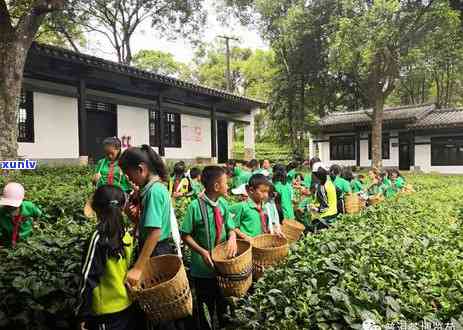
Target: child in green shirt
{"x":108,"y":170}
{"x":179,"y":185}
{"x":146,"y":169}
{"x":266,"y":168}
{"x":284,"y":190}
{"x":358,"y":183}
{"x":207,"y":224}
{"x":16,"y":215}
{"x":292,"y":171}
{"x":342,"y":186}
{"x":250,"y":217}
{"x":103,"y":298}
{"x":397,"y":180}
{"x":240,"y":176}
{"x":195,"y":180}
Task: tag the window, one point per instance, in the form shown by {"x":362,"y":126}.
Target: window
{"x":172,"y":129}
{"x":385,"y":148}
{"x":100,"y":106}
{"x":342,"y":148}
{"x":25,"y":117}
{"x":447,"y":151}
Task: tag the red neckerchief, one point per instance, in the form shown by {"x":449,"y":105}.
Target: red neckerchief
{"x":16,"y":221}
{"x":263,"y":219}
{"x":218,"y":219}
{"x":176,"y":184}
{"x":111,"y":173}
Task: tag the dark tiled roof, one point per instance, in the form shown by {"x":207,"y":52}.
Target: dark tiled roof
{"x":441,"y":118}
{"x":132,"y":71}
{"x":409,"y":113}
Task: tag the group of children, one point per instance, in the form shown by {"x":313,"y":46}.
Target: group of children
{"x":135,"y":184}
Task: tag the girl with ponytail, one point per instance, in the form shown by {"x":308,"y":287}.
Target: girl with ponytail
{"x":104,"y":302}
{"x":146,"y":169}
{"x":156,"y":224}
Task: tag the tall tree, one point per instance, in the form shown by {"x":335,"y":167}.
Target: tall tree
{"x":118,"y":20}
{"x":19,"y":23}
{"x":161,"y":63}
{"x":371,"y":38}
{"x":251,"y":75}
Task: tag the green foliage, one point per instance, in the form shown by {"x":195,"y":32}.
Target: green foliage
{"x":40,"y":278}
{"x":270,"y":151}
{"x":397,"y":261}
{"x":161,"y":63}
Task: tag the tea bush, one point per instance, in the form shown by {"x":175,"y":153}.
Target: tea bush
{"x":401,"y":260}
{"x":398,"y":261}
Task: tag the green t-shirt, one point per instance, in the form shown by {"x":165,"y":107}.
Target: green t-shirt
{"x":155,"y":203}
{"x":388,"y":188}
{"x":291,"y":175}
{"x":246,"y":217}
{"x":375,"y":189}
{"x":286,"y":196}
{"x":196,"y":188}
{"x":240,"y":176}
{"x":400,"y":182}
{"x":343,"y":185}
{"x":307,"y":181}
{"x":193,"y":225}
{"x":120,"y":180}
{"x":28,"y":211}
{"x":357,"y":186}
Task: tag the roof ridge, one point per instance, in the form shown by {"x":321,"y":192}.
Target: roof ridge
{"x":447,"y":109}
{"x":409,"y":106}
{"x":165,"y":78}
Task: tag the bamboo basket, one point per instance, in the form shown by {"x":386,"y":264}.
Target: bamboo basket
{"x":267,"y":250}
{"x":352,"y":203}
{"x":362,"y":203}
{"x":408,"y":189}
{"x":164,"y":294}
{"x":375,"y":200}
{"x":233,"y":275}
{"x":292,"y":230}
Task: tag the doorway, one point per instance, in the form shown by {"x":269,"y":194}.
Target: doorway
{"x":101,"y":123}
{"x":404,"y":151}
{"x":222,"y":141}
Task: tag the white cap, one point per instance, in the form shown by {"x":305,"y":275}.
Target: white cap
{"x":318,"y":165}
{"x":241,"y":190}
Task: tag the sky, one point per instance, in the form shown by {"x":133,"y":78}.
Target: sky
{"x":146,"y":38}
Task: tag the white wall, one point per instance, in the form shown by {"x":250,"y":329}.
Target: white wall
{"x":196,"y":139}
{"x":55,"y":129}
{"x":423,"y":157}
{"x":324,"y":155}
{"x":393,"y":160}
{"x":133,"y":122}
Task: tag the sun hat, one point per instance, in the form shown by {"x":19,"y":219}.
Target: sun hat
{"x":13,"y":195}
{"x":241,"y":190}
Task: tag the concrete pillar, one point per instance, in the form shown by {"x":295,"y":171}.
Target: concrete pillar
{"x":249,"y":139}
{"x":311,"y":146}
{"x":231,"y":140}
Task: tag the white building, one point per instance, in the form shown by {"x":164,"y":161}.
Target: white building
{"x":71,"y":102}
{"x":418,"y":137}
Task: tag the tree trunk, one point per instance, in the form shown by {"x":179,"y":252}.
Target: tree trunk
{"x":14,"y":45}
{"x":377,"y":133}
{"x":12,"y":60}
